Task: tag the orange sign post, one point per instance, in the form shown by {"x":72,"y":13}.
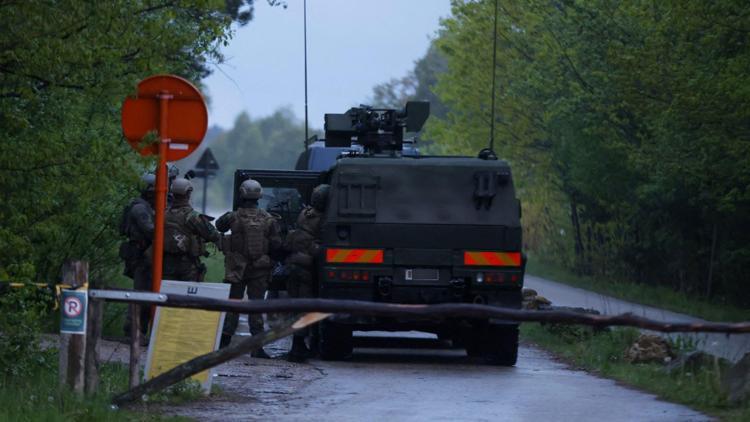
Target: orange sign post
{"x":174,"y":110}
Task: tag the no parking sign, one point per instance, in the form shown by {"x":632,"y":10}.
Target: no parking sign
{"x":73,"y":308}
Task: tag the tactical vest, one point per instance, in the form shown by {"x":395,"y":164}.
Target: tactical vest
{"x":308,"y":226}
{"x":130,"y":229}
{"x":178,"y":238}
{"x":249,"y":232}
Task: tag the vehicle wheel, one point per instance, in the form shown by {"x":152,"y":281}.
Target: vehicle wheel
{"x":471,"y":341}
{"x":500,"y":344}
{"x":335,"y":341}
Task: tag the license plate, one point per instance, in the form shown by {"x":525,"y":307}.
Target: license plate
{"x":422,"y":274}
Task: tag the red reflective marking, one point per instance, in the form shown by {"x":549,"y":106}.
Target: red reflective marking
{"x":354,"y":256}
{"x":492,"y":258}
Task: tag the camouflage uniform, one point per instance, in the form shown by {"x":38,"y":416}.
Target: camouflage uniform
{"x":138,"y":225}
{"x":303,"y":245}
{"x":247,"y":264}
{"x":186,"y":232}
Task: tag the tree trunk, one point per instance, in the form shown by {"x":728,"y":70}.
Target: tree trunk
{"x":709,"y":281}
{"x":577,"y":233}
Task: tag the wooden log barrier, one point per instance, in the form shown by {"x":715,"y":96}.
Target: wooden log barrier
{"x":443,"y":310}
{"x":209,"y":360}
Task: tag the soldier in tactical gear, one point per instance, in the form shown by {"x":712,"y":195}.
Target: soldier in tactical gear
{"x":255,"y":234}
{"x":137,"y":223}
{"x":303,"y":245}
{"x":186,"y":232}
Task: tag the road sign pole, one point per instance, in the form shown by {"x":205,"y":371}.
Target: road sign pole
{"x":161,"y":192}
{"x":181,"y":130}
{"x":205,"y":191}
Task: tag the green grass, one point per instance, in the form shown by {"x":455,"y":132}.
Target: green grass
{"x":215,"y":265}
{"x":657,"y":296}
{"x":37,"y":397}
{"x":602,"y":353}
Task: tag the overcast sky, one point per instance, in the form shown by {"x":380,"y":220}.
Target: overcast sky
{"x":352,"y":46}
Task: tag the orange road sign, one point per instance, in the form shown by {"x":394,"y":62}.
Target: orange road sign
{"x":174,"y":110}
{"x":186,"y":117}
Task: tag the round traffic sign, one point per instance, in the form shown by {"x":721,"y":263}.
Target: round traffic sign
{"x":185,"y":122}
{"x":72,"y":307}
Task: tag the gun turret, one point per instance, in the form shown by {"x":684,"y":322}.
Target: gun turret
{"x":375,"y":129}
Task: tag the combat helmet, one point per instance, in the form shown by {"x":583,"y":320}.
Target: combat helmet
{"x":148,"y":183}
{"x":182,"y":187}
{"x":319,"y":198}
{"x":251,"y":189}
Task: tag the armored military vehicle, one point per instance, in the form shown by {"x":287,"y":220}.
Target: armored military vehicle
{"x":413,"y":229}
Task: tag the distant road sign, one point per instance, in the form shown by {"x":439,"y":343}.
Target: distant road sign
{"x":207,"y":161}
{"x":186,"y":116}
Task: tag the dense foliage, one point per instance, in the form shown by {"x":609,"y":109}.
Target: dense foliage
{"x":23,"y":317}
{"x":627,"y":125}
{"x":65,"y":68}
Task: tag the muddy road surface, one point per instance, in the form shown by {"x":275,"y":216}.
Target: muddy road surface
{"x":420,"y":379}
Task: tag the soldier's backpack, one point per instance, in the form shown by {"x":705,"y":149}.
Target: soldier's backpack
{"x":177,"y":238}
{"x":124,"y":226}
{"x":249,"y":230}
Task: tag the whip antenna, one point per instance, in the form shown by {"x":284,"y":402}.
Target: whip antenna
{"x":494,"y":68}
{"x":304,"y":14}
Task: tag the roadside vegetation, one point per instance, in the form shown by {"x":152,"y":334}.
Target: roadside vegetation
{"x":29,"y":384}
{"x":66,"y":172}
{"x":625,"y":124}
{"x":647,"y":294}
{"x":603,"y":352}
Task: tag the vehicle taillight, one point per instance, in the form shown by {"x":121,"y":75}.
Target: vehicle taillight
{"x":492,"y":259}
{"x":354,"y":256}
{"x":495,"y":277}
{"x":348,"y":275}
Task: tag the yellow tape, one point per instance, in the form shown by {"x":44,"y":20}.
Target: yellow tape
{"x":58,"y":289}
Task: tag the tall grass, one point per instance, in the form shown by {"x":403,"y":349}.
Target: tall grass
{"x":37,"y":397}
{"x":603,"y":353}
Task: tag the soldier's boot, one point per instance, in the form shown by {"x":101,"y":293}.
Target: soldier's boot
{"x":299,"y":352}
{"x":225,"y":340}
{"x":260,"y":353}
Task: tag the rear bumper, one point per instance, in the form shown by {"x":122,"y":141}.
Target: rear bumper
{"x":507,"y":298}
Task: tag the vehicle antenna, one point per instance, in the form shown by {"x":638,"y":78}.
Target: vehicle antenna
{"x":494,"y":67}
{"x":304,"y":14}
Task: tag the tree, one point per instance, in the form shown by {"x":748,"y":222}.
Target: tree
{"x":632,"y":116}
{"x":272,"y":142}
{"x":416,"y":85}
{"x":65,"y":68}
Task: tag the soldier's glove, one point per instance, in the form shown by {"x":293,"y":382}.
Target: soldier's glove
{"x":301,"y":259}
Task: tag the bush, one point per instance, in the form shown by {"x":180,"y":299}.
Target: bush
{"x":23,"y":313}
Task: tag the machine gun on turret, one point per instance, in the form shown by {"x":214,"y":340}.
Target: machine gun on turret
{"x":375,"y":129}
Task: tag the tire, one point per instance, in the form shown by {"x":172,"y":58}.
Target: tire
{"x":501,"y":345}
{"x":335,"y":341}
